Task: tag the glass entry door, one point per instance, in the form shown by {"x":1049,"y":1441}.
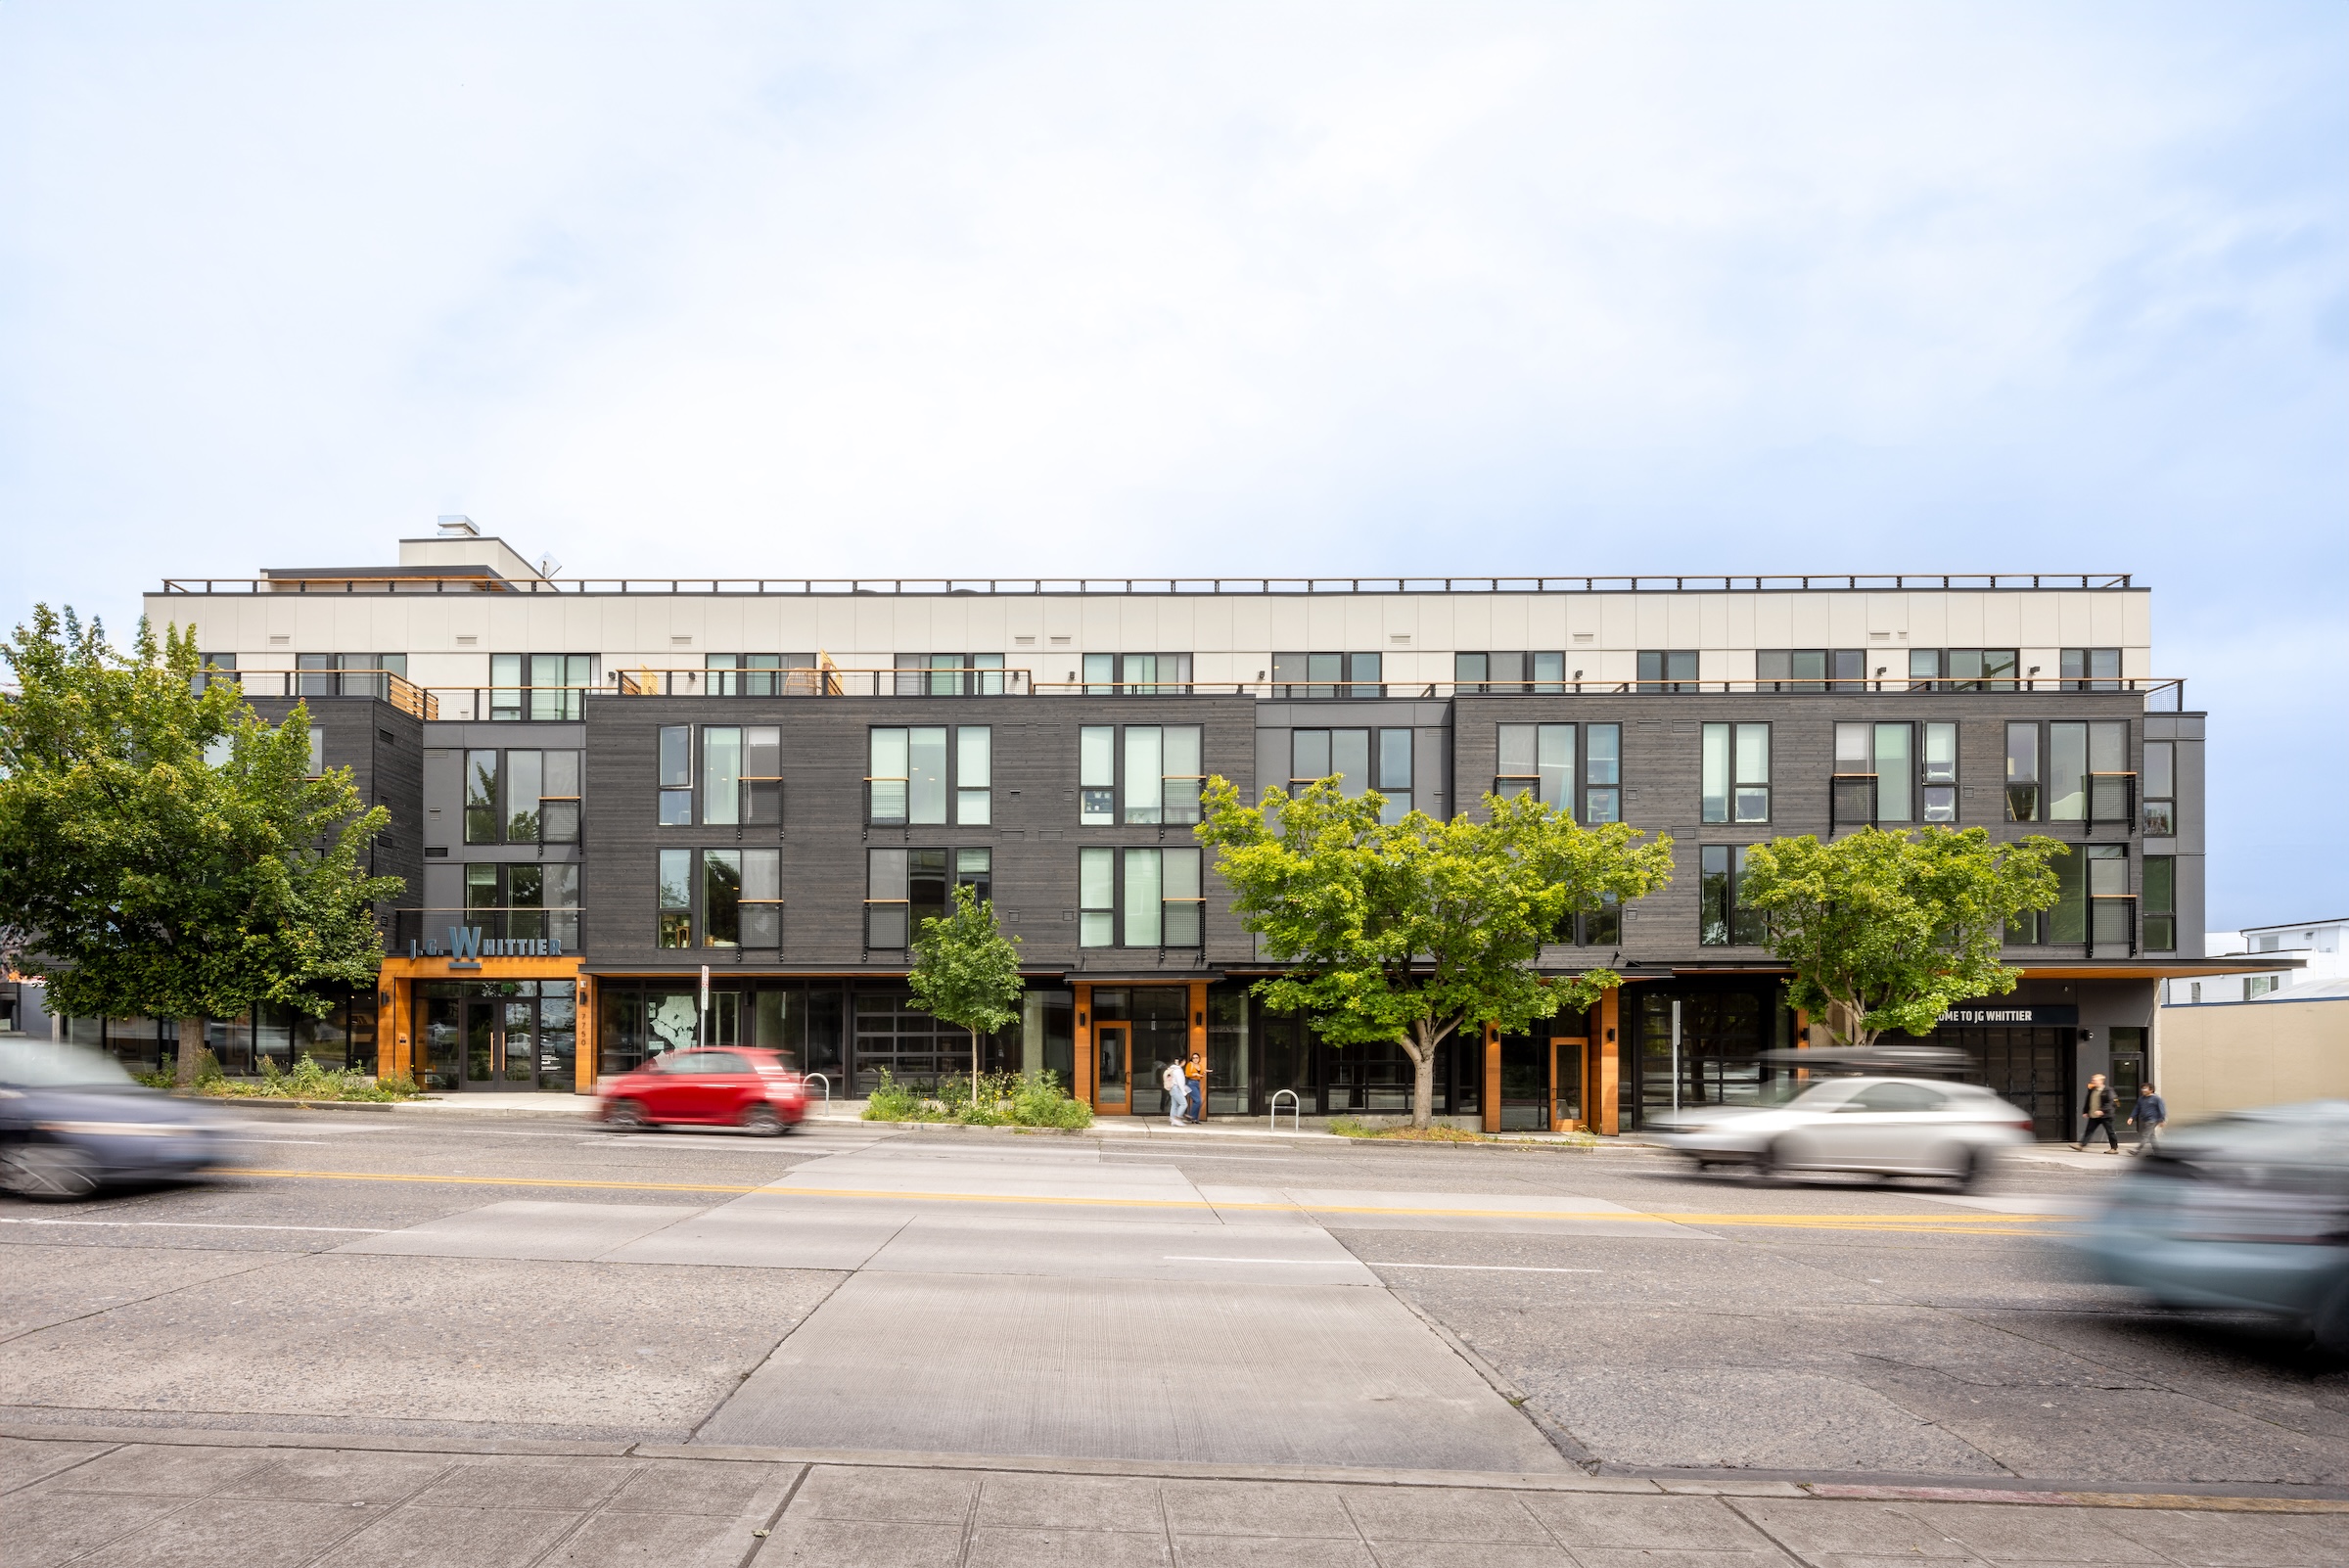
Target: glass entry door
{"x":1110,"y":1046}
{"x":501,"y":1042}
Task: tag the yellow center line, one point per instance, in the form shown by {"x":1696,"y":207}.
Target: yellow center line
{"x":1984,"y":1223}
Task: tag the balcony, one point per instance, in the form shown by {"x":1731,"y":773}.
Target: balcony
{"x":381,"y":684}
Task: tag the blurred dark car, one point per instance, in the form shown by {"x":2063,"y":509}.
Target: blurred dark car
{"x":754,"y":1090}
{"x":72,"y":1119}
{"x":2245,"y":1211}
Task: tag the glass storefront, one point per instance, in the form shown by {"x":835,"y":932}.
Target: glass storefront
{"x":1725,"y":1028}
{"x":516,"y":1036}
{"x":342,"y":1040}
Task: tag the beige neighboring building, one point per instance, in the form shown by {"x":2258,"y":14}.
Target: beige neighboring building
{"x":2230,"y":1056}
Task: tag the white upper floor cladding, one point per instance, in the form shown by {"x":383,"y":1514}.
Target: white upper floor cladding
{"x":454,"y":602}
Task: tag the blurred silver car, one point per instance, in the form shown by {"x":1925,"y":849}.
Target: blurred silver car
{"x":72,"y":1119}
{"x":2245,"y":1211}
{"x":1875,"y":1126}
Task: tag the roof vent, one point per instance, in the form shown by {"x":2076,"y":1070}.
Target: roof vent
{"x":453,"y":527}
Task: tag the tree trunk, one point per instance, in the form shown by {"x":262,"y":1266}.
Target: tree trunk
{"x":191,"y":1041}
{"x":1423,"y":1076}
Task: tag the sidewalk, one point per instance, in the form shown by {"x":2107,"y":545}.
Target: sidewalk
{"x":195,"y":1498}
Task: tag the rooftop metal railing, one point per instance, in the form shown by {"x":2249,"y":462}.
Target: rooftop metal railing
{"x":1823,"y":582}
{"x":563,"y":703}
{"x":397,"y":690}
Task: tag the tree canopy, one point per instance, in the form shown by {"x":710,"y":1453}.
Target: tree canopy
{"x":1887,"y":931}
{"x":1414,"y":930}
{"x":966,"y":972}
{"x":164,"y":851}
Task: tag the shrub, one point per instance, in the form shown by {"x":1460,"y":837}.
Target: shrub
{"x":1004,"y":1099}
{"x":893,"y":1101}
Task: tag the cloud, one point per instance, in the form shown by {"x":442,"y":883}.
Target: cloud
{"x":861,"y":290}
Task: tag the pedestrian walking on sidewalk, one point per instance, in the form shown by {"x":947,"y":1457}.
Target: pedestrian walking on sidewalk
{"x":2152,"y":1111}
{"x":1176,"y":1097}
{"x":1194,"y":1072}
{"x":2098,"y":1109}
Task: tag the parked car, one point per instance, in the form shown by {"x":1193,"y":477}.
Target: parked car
{"x":2247,"y":1211}
{"x":72,"y":1119}
{"x":1879,"y":1126}
{"x":754,"y":1090}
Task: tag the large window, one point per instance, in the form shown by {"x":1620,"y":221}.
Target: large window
{"x":909,"y":783}
{"x":1162,"y":779}
{"x":539,"y":686}
{"x":1668,"y":669}
{"x":343,"y":674}
{"x":673,"y":898}
{"x":1359,"y":759}
{"x":2158,"y":912}
{"x":523,"y":899}
{"x":542,"y":797}
{"x":741,"y":769}
{"x":949,"y":675}
{"x":2160,"y":810}
{"x":1140,"y":898}
{"x":1327,"y":674}
{"x":1810,"y":669}
{"x":1537,"y":759}
{"x":482,"y":825}
{"x":1510,"y":671}
{"x":754,"y":674}
{"x":1876,"y":774}
{"x":2091,"y":668}
{"x":1723,"y":919}
{"x":1940,"y":792}
{"x":1137,"y":675}
{"x":1603,"y":773}
{"x":2088,"y":772}
{"x":2093,"y":902}
{"x":2022,"y":772}
{"x":906,"y":886}
{"x":731,"y":898}
{"x":1736,"y":773}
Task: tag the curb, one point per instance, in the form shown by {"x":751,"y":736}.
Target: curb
{"x":2014,"y":1491}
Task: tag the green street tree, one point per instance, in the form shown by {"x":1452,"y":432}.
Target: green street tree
{"x":1417,"y":930}
{"x":967,"y":973}
{"x":1887,"y":931}
{"x":163,"y":851}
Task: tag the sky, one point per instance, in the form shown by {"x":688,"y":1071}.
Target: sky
{"x":1019,"y":289}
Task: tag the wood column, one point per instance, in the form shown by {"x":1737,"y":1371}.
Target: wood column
{"x":587,"y":1037}
{"x":1083,"y":1089}
{"x":1198,"y":995}
{"x":1491,"y":1096}
{"x":392,"y":1015}
{"x":1553,"y":1119}
{"x":1606,"y":1108}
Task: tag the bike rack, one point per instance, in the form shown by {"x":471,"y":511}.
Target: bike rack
{"x":821,"y":1078}
{"x":1295,"y":1123}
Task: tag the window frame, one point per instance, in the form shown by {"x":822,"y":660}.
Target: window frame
{"x":2077,"y":670}
{"x":912,"y":784}
{"x":516,"y":686}
{"x":1722,"y":918}
{"x":1723,"y":761}
{"x":1339,"y":675}
{"x":895,"y":867}
{"x":1113,"y":912}
{"x":2158,"y":789}
{"x":1671,"y":671}
{"x":1126,"y":674}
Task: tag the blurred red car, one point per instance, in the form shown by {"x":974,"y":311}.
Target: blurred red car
{"x":757,"y":1090}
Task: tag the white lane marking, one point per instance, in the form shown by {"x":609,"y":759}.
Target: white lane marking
{"x":1484,"y":1268}
{"x":199,"y":1224}
{"x":233,"y":1138}
{"x":1177,"y":1256}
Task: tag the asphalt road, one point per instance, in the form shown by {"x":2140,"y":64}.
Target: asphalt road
{"x":1212,"y":1297}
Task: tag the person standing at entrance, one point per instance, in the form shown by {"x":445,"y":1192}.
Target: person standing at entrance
{"x":2097,"y":1108}
{"x":2151,"y":1112}
{"x":1194,"y":1072}
{"x":1176,"y":1097}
